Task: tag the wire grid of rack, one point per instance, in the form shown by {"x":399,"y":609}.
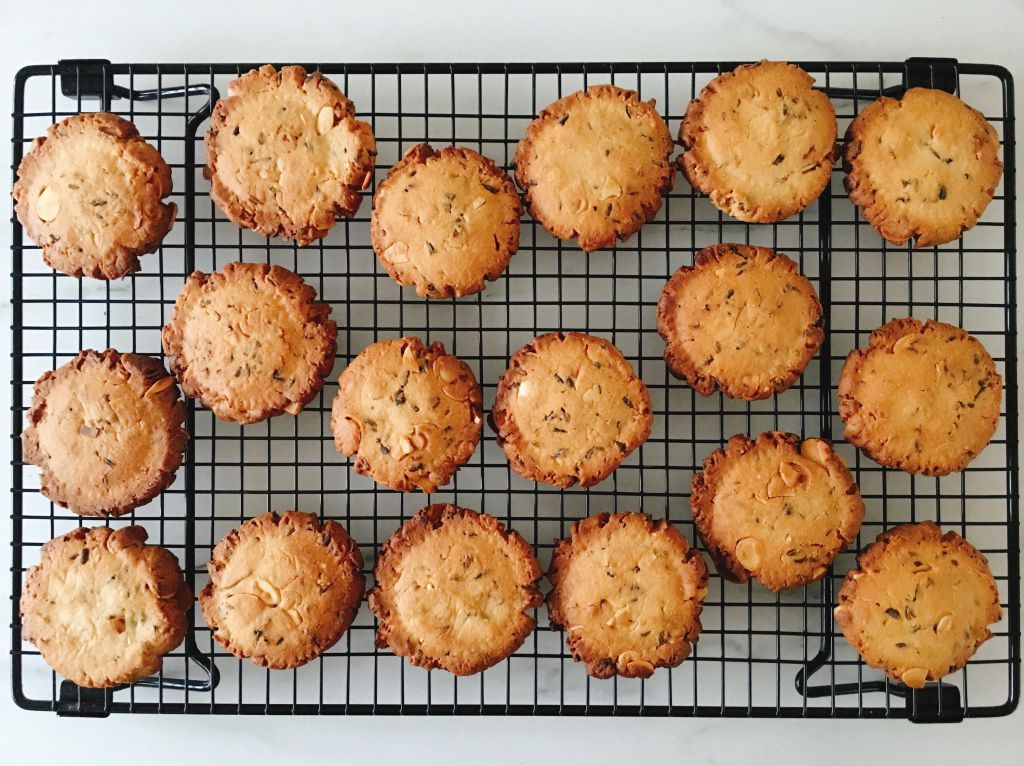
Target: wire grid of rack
{"x":760,"y":654}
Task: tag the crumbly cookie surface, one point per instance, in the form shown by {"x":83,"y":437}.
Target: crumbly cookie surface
{"x":919,"y":604}
{"x":283,"y":589}
{"x":923,"y":167}
{"x":106,"y":430}
{"x":286,"y":154}
{"x":742,"y":319}
{"x":776,"y":509}
{"x":923,"y":397}
{"x":453,"y":590}
{"x":409,"y":413}
{"x":570,"y":409}
{"x":102,"y":607}
{"x":759,"y":141}
{"x":250,"y":341}
{"x":628,"y":591}
{"x":445,"y":221}
{"x":594,"y":165}
{"x":91,"y":194}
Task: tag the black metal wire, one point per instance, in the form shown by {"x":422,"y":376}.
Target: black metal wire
{"x":760,"y":654}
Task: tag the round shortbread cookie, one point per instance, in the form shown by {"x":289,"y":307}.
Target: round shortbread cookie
{"x":106,"y":431}
{"x":919,"y":604}
{"x":286,"y":154}
{"x":775,"y":509}
{"x":922,"y":397}
{"x":742,"y":319}
{"x":103,"y":608}
{"x":250,"y":341}
{"x":453,"y":590}
{"x":569,"y":410}
{"x":628,"y":591}
{"x":759,"y":141}
{"x":410,"y":414}
{"x":923,"y":167}
{"x":91,"y":194}
{"x":445,"y":221}
{"x":283,"y":589}
{"x":594,"y":165}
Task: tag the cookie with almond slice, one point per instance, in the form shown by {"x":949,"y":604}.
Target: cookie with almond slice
{"x":106,"y":430}
{"x":595,"y":164}
{"x":923,"y":397}
{"x":919,"y":603}
{"x":250,"y":341}
{"x":775,"y":508}
{"x":286,"y":155}
{"x":445,"y":221}
{"x":455,"y":590}
{"x":570,"y":409}
{"x":283,"y":589}
{"x":742,"y":320}
{"x":628,"y":591}
{"x":409,"y":413}
{"x":92,"y":194}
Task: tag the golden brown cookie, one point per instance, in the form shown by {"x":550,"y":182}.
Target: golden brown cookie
{"x":628,"y":591}
{"x":923,"y":167}
{"x":759,"y":141}
{"x":106,"y":431}
{"x":569,"y":409}
{"x":91,"y":194}
{"x":742,"y":320}
{"x":283,"y":589}
{"x":594,"y":165}
{"x":922,"y":397}
{"x":919,"y":604}
{"x":250,"y":341}
{"x":453,"y":590}
{"x":445,"y":221}
{"x":775,"y":509}
{"x":286,"y":154}
{"x":409,"y":413}
{"x":103,"y":608}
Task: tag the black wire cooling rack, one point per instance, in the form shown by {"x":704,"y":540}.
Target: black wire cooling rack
{"x":760,"y":654}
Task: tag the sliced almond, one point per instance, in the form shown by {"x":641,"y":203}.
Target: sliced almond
{"x":777,"y":488}
{"x":792,"y":474}
{"x":633,"y":663}
{"x":944,"y":623}
{"x":915,"y":678}
{"x":325,"y":120}
{"x":404,"y":447}
{"x":293,"y":408}
{"x":397,"y":253}
{"x":47,"y":205}
{"x":479,"y":202}
{"x":749,"y":553}
{"x":817,"y":451}
{"x":842,"y":615}
{"x":907,"y":341}
{"x":161,"y":385}
{"x":525,"y":389}
{"x":447,"y":369}
{"x":610,"y":190}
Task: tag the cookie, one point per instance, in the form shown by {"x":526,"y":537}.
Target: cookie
{"x":408,"y":413}
{"x":106,"y":430}
{"x":628,"y":591}
{"x":250,"y":341}
{"x":283,"y":589}
{"x":759,"y":141}
{"x":103,"y":608}
{"x":923,"y":167}
{"x":453,"y":590}
{"x":445,"y":221}
{"x":91,"y":194}
{"x":594,"y":165}
{"x":569,"y":410}
{"x":922,"y":397}
{"x":742,"y":319}
{"x":919,"y":604}
{"x":286,"y":154}
{"x":775,"y":509}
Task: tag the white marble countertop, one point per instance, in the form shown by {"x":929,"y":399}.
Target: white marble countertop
{"x":480,"y":31}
